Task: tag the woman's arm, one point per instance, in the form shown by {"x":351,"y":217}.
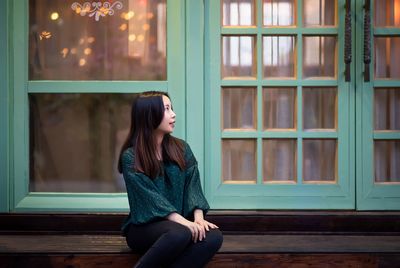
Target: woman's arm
{"x":197,"y":230}
{"x":199,"y":219}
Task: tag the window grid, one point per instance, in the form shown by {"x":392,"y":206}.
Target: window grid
{"x":298,"y":82}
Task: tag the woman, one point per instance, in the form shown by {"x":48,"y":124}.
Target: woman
{"x":167,"y":206}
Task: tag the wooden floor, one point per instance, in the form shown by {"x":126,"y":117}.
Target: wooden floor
{"x":237,"y":251}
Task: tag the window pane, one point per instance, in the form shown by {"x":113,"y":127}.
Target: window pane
{"x":319,"y":54}
{"x":319,"y":108}
{"x":387,"y":13}
{"x":319,"y":12}
{"x":239,"y":160}
{"x":279,"y":159}
{"x":387,"y":108}
{"x":87,"y":42}
{"x":319,"y":160}
{"x":279,"y":108}
{"x":387,"y":55}
{"x":387,"y":160}
{"x":238,"y":56}
{"x":278,"y":54}
{"x":238,"y":12}
{"x":279,"y":12}
{"x":239,"y":108}
{"x":75,"y":141}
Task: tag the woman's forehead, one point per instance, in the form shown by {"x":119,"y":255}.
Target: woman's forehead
{"x":166,"y":100}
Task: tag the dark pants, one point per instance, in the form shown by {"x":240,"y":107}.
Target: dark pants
{"x":169,"y":244}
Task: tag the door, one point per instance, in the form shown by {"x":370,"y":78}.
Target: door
{"x":378,"y":105}
{"x":281,"y":115}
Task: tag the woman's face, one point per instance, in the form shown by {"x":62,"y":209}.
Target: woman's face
{"x":168,"y":123}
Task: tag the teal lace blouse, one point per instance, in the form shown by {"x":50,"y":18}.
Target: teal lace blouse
{"x":175,"y":190}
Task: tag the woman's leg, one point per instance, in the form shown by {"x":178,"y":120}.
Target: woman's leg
{"x":200,"y":253}
{"x":162,"y":242}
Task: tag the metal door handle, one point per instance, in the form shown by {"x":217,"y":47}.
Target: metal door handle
{"x":367,"y":39}
{"x":347,"y":40}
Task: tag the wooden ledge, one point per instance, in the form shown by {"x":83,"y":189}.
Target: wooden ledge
{"x":106,"y":244}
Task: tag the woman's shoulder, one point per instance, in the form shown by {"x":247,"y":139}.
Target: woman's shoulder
{"x":128,"y":156}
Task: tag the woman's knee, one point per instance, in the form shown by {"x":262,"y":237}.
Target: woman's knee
{"x":214,"y":238}
{"x":179,"y":234}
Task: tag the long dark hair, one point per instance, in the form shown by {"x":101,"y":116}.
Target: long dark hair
{"x":146,"y":115}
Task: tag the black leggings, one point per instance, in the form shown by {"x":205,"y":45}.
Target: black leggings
{"x":169,"y":244}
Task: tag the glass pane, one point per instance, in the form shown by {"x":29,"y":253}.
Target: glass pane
{"x":120,"y":40}
{"x":239,"y":160}
{"x":387,"y":13}
{"x":279,"y":12}
{"x":239,"y":108}
{"x":238,"y":56}
{"x":279,"y":108}
{"x":319,"y":160}
{"x":319,"y":108}
{"x":75,"y":141}
{"x":387,"y":108}
{"x":319,"y":55}
{"x":387,"y":160}
{"x":279,"y":160}
{"x":278,"y":53}
{"x":387,"y":55}
{"x":238,"y":12}
{"x":319,"y":12}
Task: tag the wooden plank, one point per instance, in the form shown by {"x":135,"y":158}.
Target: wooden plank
{"x":219,"y":261}
{"x":99,"y":244}
{"x":245,"y":222}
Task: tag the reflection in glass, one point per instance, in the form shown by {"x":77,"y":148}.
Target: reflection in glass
{"x":319,"y":54}
{"x":128,"y":45}
{"x":279,"y":159}
{"x":319,"y":12}
{"x":238,"y":12}
{"x":387,"y":13}
{"x":75,"y":141}
{"x":238,"y":56}
{"x":239,"y":108}
{"x":279,"y":108}
{"x":279,"y":12}
{"x":239,"y":160}
{"x":387,"y":55}
{"x":319,"y":108}
{"x":387,"y":109}
{"x":319,"y":160}
{"x":387,"y":160}
{"x":278,"y":56}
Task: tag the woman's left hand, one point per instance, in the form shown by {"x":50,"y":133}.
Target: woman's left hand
{"x":205,"y":224}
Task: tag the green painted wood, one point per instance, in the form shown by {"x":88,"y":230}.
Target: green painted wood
{"x":176,"y":62}
{"x":19,"y":115}
{"x":95,"y":86}
{"x":4,"y":107}
{"x":53,"y":202}
{"x":195,"y":81}
{"x":371,"y":195}
{"x":258,"y":194}
{"x":22,"y":199}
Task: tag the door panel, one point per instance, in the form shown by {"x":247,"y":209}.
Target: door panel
{"x":378,"y":109}
{"x":280,"y":113}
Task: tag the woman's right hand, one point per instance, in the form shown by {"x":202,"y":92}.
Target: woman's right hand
{"x":198,"y":231}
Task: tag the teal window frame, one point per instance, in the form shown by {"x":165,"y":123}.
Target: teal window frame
{"x":260,"y":196}
{"x":22,"y":199}
{"x":371,"y":196}
{"x":4,"y":106}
